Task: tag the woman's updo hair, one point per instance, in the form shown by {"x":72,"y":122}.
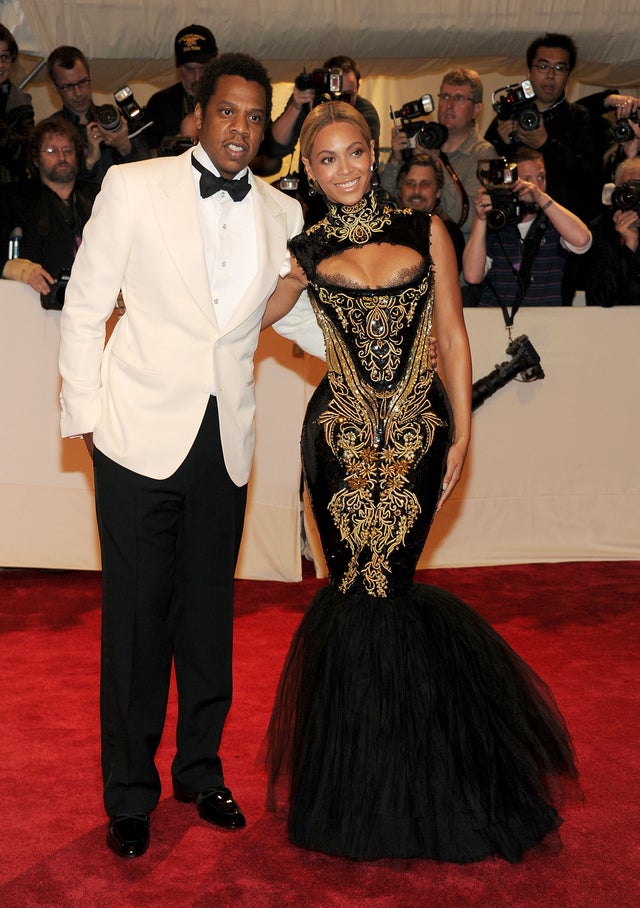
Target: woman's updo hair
{"x":323,"y":115}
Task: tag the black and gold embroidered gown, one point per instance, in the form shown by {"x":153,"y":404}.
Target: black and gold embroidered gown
{"x":404,"y":726}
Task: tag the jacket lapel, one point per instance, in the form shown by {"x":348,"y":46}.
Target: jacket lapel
{"x":175,"y":204}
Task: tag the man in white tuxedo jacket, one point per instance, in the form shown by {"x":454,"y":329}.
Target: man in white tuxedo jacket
{"x":167,"y":411}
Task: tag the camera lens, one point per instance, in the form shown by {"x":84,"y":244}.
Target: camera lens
{"x":432,"y":135}
{"x":622,"y":131}
{"x":529,"y":118}
{"x":496,"y":219}
{"x":108,"y":117}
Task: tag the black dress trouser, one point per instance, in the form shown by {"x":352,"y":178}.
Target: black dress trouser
{"x":169,"y":549}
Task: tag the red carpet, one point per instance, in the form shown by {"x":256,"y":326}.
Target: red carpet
{"x":577,"y":624}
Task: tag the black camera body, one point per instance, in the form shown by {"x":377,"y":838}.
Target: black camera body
{"x":426,"y":135}
{"x":498,"y":176}
{"x":420,"y":132}
{"x":622,"y":131}
{"x":515,"y":102}
{"x":524,"y":363}
{"x":110,"y":117}
{"x":323,"y":81}
{"x":54,"y":299}
{"x":627,"y":196}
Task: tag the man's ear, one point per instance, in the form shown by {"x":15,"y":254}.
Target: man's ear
{"x":197,"y":113}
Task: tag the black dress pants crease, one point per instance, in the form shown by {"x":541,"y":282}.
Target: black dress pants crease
{"x":169,"y":549}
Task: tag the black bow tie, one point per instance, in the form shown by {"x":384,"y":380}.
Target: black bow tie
{"x":210,"y":183}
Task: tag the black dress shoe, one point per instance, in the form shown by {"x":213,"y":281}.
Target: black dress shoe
{"x":215,"y":805}
{"x":128,"y":836}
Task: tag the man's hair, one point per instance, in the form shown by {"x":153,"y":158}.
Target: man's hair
{"x":524,"y":153}
{"x":65,"y":57}
{"x":12,"y":45}
{"x":553,"y":39}
{"x":325,"y":114}
{"x":53,"y":126}
{"x":234,"y":65}
{"x":346,"y":64}
{"x":423,"y":160}
{"x":465,"y":77}
{"x":623,"y":168}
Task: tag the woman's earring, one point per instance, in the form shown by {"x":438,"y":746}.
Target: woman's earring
{"x":312,"y":186}
{"x":375,"y":177}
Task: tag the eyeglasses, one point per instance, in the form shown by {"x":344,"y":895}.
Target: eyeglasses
{"x":562,"y":68}
{"x":67,"y":151}
{"x":455,"y":99}
{"x":6,"y":58}
{"x":69,"y":86}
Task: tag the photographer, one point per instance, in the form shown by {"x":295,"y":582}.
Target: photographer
{"x":420,"y":184}
{"x":459,"y":106}
{"x":523,"y":263}
{"x":624,"y":135}
{"x":171,"y":109}
{"x":49,"y":211}
{"x":565,"y":134}
{"x":282,"y":135}
{"x":613,"y":262}
{"x":16,"y":114}
{"x":104,"y":146}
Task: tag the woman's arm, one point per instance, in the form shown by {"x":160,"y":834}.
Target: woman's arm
{"x":453,"y":345}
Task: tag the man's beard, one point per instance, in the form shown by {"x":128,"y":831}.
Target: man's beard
{"x":67,"y":174}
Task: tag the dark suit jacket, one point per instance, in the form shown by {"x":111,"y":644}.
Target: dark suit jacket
{"x":49,"y":229}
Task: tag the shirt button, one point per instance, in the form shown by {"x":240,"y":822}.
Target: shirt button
{"x":224,"y":264}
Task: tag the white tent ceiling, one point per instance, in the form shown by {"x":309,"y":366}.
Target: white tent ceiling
{"x":133,"y":39}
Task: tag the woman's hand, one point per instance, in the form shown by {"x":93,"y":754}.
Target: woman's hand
{"x":455,"y":462}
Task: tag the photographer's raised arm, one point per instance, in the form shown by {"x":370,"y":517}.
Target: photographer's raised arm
{"x":283,"y":129}
{"x":474,"y":256}
{"x":572,"y":230}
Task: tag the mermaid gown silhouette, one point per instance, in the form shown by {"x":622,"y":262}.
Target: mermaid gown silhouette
{"x":404,"y":725}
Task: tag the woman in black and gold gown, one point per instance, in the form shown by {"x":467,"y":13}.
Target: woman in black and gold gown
{"x":404,"y":726}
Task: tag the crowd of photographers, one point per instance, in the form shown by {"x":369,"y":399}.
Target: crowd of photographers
{"x":524,"y":204}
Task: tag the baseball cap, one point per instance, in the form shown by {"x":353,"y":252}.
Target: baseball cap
{"x":195,"y":44}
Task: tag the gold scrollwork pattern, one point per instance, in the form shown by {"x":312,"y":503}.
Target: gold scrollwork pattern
{"x":355,"y":223}
{"x":379,"y":437}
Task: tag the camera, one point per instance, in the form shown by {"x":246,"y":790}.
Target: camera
{"x":622,"y":130}
{"x":524,"y":362}
{"x":133,"y":113}
{"x":515,"y":102}
{"x":54,"y":299}
{"x":497,"y":176}
{"x":323,"y":82}
{"x":419,"y":132}
{"x":627,"y":196}
{"x":108,"y":117}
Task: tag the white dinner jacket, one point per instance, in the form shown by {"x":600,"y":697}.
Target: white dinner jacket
{"x":144,"y":395}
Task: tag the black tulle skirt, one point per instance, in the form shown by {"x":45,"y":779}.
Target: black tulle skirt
{"x":407,"y":727}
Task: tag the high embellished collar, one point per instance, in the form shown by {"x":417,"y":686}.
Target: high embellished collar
{"x":357,"y":223}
